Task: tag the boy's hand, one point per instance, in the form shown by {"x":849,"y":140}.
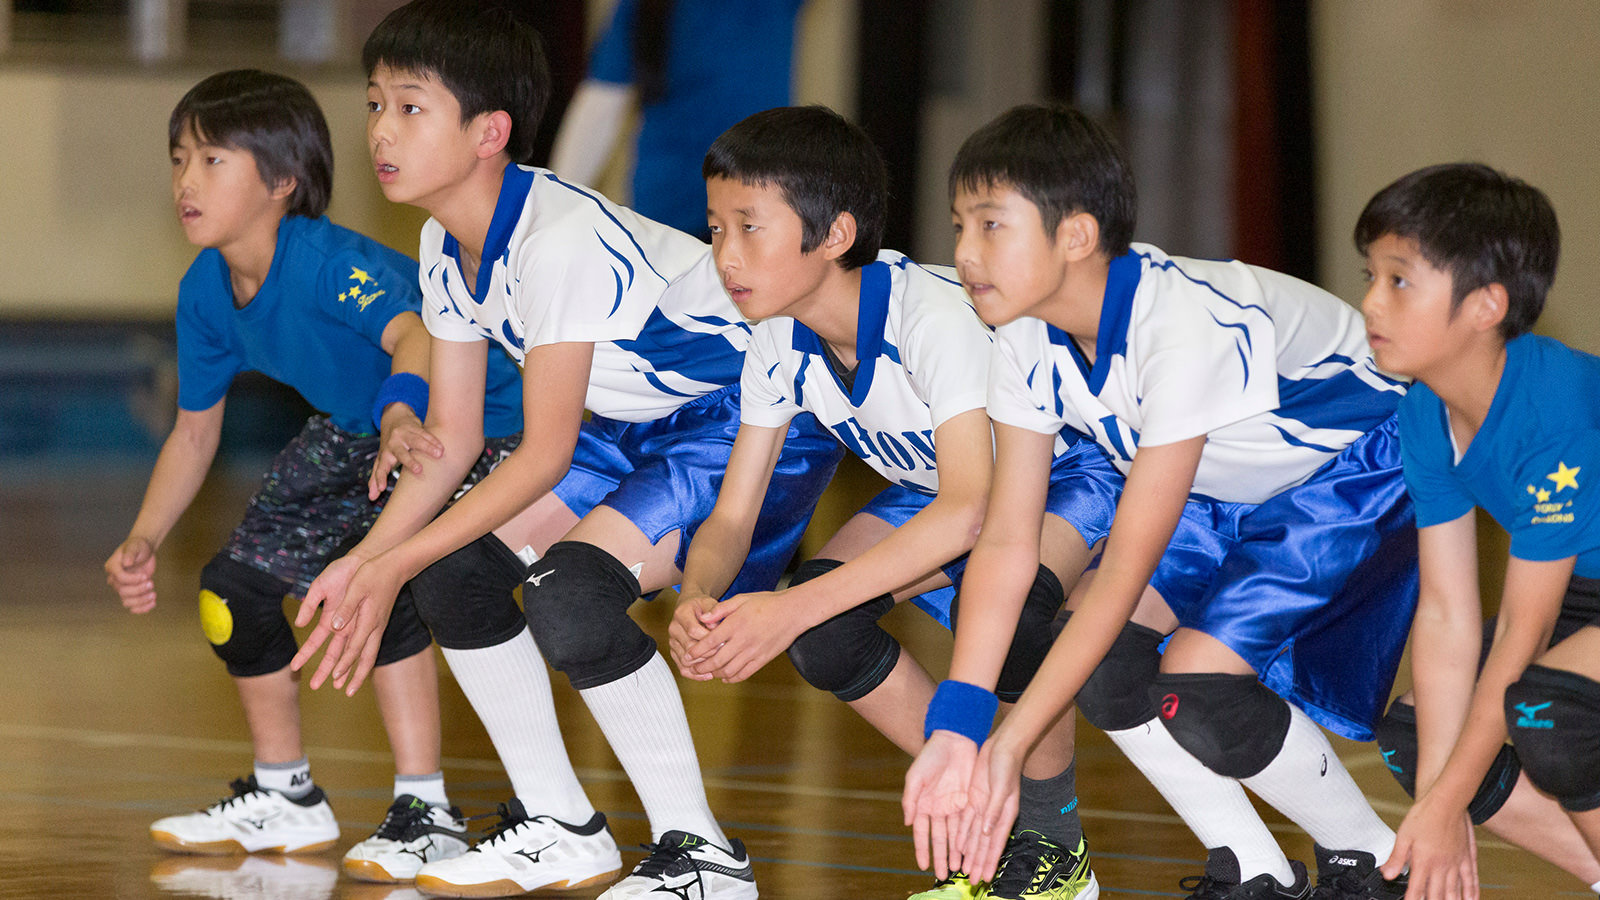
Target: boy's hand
{"x":403,"y":441}
{"x":992,"y":800}
{"x":749,"y":630}
{"x":353,"y":628}
{"x":131,"y":570}
{"x":935,"y":800}
{"x":1441,"y":850}
{"x":686,"y":628}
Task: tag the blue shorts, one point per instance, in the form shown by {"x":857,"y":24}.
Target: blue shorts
{"x":663,"y":475}
{"x":1084,"y":488}
{"x":1315,"y":588}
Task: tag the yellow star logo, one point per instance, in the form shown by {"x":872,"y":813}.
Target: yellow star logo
{"x":1543,"y":495}
{"x":1565,"y":477}
{"x":360,"y":275}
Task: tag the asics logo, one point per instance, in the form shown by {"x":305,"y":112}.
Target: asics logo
{"x":534,"y":856}
{"x":535,"y":579}
{"x":1392,"y":766}
{"x":1342,"y":861}
{"x":1530,"y":715}
{"x":1169,"y":706}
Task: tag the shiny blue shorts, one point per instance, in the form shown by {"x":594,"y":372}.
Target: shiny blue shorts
{"x":663,"y":475}
{"x":1315,"y":588}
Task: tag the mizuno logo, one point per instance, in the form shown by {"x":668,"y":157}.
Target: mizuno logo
{"x":534,"y":856}
{"x":1530,"y":715}
{"x":261,"y":823}
{"x":540,"y":577}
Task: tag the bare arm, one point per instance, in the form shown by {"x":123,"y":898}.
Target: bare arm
{"x":181,"y":468}
{"x":749,"y":630}
{"x":722,"y":542}
{"x":1152,"y":502}
{"x":1460,"y":712}
{"x":402,"y":438}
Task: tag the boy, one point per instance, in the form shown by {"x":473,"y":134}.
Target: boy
{"x":1459,"y":259}
{"x":891,"y":357}
{"x":281,"y":290}
{"x":605,"y":310}
{"x":1245,"y":404}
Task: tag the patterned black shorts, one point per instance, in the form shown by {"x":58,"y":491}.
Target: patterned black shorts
{"x":312,"y":503}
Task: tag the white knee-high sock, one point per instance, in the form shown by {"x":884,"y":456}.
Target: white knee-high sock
{"x":509,"y":688}
{"x":1308,"y":783}
{"x":642,"y":717}
{"x":1213,"y":806}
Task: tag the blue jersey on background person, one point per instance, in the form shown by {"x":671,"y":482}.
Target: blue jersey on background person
{"x":696,"y":67}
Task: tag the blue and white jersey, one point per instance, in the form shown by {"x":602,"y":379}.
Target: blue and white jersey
{"x":922,"y":357}
{"x":1274,"y":371}
{"x":562,"y":263}
{"x":1530,"y":463}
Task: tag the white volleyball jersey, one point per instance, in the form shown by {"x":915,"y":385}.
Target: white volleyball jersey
{"x":922,"y":357}
{"x":1275,"y":372}
{"x":562,"y":263}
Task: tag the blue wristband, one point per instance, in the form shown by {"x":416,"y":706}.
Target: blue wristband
{"x":401,"y":387}
{"x":963,"y":708}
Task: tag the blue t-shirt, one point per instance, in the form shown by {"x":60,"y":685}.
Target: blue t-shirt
{"x":315,"y":325}
{"x":723,"y":62}
{"x":1530,"y":463}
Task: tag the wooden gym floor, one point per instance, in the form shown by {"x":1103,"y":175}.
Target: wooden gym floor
{"x":109,"y":721}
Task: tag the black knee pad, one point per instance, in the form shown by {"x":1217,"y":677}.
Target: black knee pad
{"x":467,"y":598}
{"x":1034,"y":636}
{"x":1397,"y":739}
{"x":576,"y":600}
{"x":1554,"y":719}
{"x":847,"y":655}
{"x":1233,"y":724}
{"x":1031,"y":642}
{"x":1116,"y":696}
{"x":241,"y":612}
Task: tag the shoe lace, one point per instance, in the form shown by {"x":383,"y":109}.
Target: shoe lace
{"x":1019,"y":865}
{"x":242,"y":788}
{"x":1204,"y":887}
{"x":402,"y":823}
{"x":665,"y":858}
{"x":507,"y":824}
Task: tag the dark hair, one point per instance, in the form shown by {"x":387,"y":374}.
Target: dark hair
{"x":823,"y":165}
{"x":273,"y":118}
{"x":483,"y":54}
{"x":1482,"y":226}
{"x":1061,"y":160}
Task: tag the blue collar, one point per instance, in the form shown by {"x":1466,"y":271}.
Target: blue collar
{"x":1116,"y":310}
{"x":871,"y":317}
{"x":514,"y":187}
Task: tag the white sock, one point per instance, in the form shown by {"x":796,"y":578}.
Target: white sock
{"x":292,"y":779}
{"x":1213,"y":806}
{"x":509,"y":688}
{"x":1308,"y":783}
{"x":642,"y":717}
{"x":1595,"y":887}
{"x":427,"y":788}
